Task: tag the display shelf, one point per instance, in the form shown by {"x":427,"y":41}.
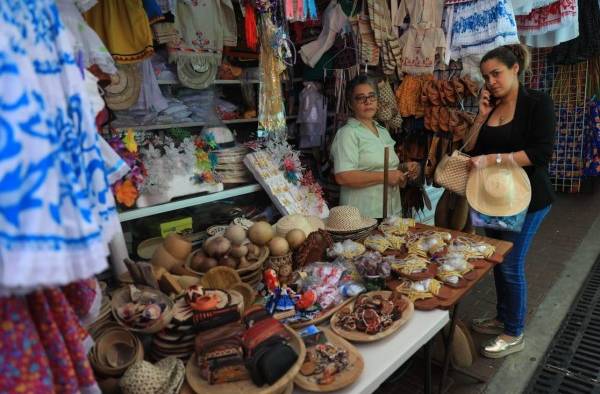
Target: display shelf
{"x":188,"y":202}
{"x":188,"y":124}
{"x":219,"y":81}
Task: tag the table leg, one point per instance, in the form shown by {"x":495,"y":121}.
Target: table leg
{"x":427,"y":349}
{"x":448,"y":344}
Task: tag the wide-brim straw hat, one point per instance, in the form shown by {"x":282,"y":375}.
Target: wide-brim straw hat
{"x":164,"y":377}
{"x":196,"y":75}
{"x":308,"y":224}
{"x":347,"y":219}
{"x":124,"y":88}
{"x":499,"y":190}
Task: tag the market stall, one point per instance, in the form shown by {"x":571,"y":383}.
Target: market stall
{"x":197,"y":153}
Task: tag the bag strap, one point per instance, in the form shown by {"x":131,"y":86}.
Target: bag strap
{"x":471,"y":136}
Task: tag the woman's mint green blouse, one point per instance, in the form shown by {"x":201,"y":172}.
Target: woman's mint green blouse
{"x":356,"y":148}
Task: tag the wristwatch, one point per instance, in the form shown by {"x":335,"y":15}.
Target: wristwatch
{"x":498,"y":158}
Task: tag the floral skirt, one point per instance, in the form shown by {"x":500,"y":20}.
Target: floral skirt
{"x":43,"y":347}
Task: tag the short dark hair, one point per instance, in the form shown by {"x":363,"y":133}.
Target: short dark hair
{"x":360,"y":79}
{"x":510,"y":55}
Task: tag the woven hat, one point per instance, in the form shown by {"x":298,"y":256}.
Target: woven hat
{"x":307,"y":224}
{"x":346,"y":219}
{"x":164,"y":377}
{"x":499,"y":190}
{"x":124,"y":88}
{"x":196,"y":74}
{"x":222,"y":134}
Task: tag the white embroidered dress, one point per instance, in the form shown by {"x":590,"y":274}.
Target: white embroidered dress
{"x":57,"y":211}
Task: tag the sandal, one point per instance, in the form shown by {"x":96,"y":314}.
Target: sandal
{"x":471,"y":86}
{"x":435,"y":118}
{"x":444,"y":119}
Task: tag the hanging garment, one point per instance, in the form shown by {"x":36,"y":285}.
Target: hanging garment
{"x":43,"y":346}
{"x":203,"y":28}
{"x":57,"y":213}
{"x":312,"y":116}
{"x":587,"y":44}
{"x":481,"y":26}
{"x":154,"y":11}
{"x":385,"y":37}
{"x":524,"y":7}
{"x":124,"y":28}
{"x":424,"y":36}
{"x":334,"y":21}
{"x":151,"y":98}
{"x":550,"y":25}
{"x":85,"y":38}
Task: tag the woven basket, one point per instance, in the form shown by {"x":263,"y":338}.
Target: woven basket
{"x":452,"y":172}
{"x":278,"y":263}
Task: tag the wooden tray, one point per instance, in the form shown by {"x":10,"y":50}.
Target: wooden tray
{"x":201,"y":386}
{"x":342,"y":379}
{"x":449,"y":296}
{"x":357,"y":336}
{"x":326,"y":314}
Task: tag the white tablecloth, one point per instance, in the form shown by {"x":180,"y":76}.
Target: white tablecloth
{"x":383,"y":357}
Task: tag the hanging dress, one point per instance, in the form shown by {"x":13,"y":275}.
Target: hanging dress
{"x":481,"y":26}
{"x":550,"y":25}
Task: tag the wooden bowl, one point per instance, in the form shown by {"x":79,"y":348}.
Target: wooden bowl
{"x":343,"y":378}
{"x":178,"y":246}
{"x":358,"y":336}
{"x":122,"y":296}
{"x":199,"y":385}
{"x":220,"y":278}
{"x":163,"y":258}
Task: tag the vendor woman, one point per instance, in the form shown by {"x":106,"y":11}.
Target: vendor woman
{"x":358,"y":155}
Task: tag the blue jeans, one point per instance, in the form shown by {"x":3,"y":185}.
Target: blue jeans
{"x":511,"y":285}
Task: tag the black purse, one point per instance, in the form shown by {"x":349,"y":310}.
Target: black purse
{"x":270,"y":361}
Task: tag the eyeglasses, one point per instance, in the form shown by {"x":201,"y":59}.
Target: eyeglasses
{"x":371,"y":98}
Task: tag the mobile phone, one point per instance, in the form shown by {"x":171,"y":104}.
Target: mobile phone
{"x":493,"y":100}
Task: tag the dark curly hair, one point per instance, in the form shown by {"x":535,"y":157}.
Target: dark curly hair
{"x":510,"y":55}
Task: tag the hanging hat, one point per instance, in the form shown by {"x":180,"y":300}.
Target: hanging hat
{"x":346,"y":219}
{"x":164,"y":377}
{"x":499,"y":190}
{"x":196,"y":74}
{"x":124,"y":88}
{"x":308,"y":224}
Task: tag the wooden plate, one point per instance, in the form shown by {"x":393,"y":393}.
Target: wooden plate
{"x":201,"y":386}
{"x":326,"y":314}
{"x":247,"y":292}
{"x":220,"y":278}
{"x":342,"y":379}
{"x":357,"y":336}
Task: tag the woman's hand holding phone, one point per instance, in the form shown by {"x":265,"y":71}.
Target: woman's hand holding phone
{"x":486,"y":102}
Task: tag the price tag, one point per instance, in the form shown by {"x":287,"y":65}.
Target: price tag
{"x":179,"y":226}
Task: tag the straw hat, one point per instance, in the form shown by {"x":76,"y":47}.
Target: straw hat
{"x":196,"y":74}
{"x":164,"y":377}
{"x":499,"y":190}
{"x":223,"y":135}
{"x":124,"y":88}
{"x":347,"y":219}
{"x":307,"y":224}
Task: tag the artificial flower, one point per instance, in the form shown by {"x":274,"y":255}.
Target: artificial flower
{"x":129,"y":141}
{"x":126,"y":193}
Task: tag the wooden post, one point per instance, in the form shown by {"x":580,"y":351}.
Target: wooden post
{"x":386,"y":170}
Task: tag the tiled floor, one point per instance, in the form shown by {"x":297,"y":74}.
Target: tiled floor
{"x":559,"y":236}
